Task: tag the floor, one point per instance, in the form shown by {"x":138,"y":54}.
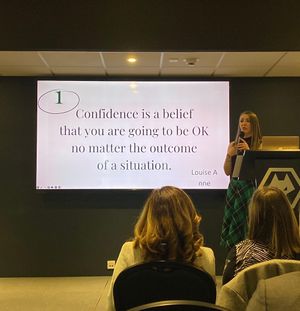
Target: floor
{"x":56,"y":293}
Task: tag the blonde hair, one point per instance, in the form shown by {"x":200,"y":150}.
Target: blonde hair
{"x":273,"y":222}
{"x":168,"y":227}
{"x":255,"y":127}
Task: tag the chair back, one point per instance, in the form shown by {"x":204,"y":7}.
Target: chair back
{"x":162,"y":280}
{"x":179,"y":305}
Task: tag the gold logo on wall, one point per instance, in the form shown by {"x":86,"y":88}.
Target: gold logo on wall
{"x":285,"y":179}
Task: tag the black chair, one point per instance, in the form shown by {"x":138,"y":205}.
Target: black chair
{"x":179,"y":305}
{"x":162,"y":280}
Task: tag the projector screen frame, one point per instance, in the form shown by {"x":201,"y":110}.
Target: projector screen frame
{"x":226,"y":135}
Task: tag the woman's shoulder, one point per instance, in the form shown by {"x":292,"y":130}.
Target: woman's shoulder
{"x":206,"y":260}
{"x":128,"y":244}
{"x":207,"y":251}
{"x":131,"y":252}
{"x":250,"y":248}
{"x":250,"y":252}
{"x":128,"y":247}
{"x":248,"y":244}
{"x":251,"y":244}
{"x":207,"y":256}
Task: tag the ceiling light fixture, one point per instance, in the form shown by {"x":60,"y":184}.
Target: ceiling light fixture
{"x":131,"y":60}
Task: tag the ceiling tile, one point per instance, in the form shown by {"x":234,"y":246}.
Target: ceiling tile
{"x":187,"y":71}
{"x":284,"y":71}
{"x":246,"y":59}
{"x":205,"y":59}
{"x":290,"y":59}
{"x":207,"y":64}
{"x":141,"y":71}
{"x":241,"y":71}
{"x":13,"y":58}
{"x":288,"y":66}
{"x":78,"y":71}
{"x":24,"y":71}
{"x":65,"y":59}
{"x":119,"y":59}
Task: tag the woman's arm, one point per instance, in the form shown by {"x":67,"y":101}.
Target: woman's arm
{"x":231,"y":151}
{"x":230,"y":266}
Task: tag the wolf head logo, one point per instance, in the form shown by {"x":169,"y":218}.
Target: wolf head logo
{"x":285,"y":184}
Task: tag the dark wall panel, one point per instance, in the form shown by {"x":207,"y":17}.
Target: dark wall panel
{"x":140,"y":25}
{"x":75,"y":232}
{"x":275,"y":100}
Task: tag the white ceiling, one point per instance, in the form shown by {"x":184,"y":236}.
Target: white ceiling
{"x":150,"y":64}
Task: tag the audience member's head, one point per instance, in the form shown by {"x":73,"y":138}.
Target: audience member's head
{"x":168,"y":227}
{"x":273,"y":222}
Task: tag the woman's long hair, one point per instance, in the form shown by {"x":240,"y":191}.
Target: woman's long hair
{"x":273,"y":222}
{"x":255,"y":128}
{"x":168,"y":227}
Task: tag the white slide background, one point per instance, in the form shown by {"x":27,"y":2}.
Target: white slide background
{"x":132,"y":134}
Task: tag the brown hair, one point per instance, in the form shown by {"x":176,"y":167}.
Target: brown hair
{"x":273,"y":222}
{"x":255,"y":127}
{"x":168,"y":226}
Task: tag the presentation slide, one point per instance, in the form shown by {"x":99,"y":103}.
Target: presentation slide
{"x":131,"y":134}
